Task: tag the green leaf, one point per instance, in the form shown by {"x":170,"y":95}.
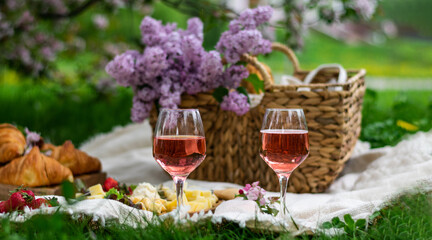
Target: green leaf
{"x":335,"y":221}
{"x":133,"y":187}
{"x":327,"y":225}
{"x":53,"y":201}
{"x":361,"y":223}
{"x":115,"y":192}
{"x":340,"y":225}
{"x":243,"y":91}
{"x":68,"y":190}
{"x":256,"y":82}
{"x":348,"y":230}
{"x":349,"y":221}
{"x":219,"y":93}
{"x":374,"y":215}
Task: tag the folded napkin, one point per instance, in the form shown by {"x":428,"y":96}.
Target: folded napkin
{"x":342,"y":77}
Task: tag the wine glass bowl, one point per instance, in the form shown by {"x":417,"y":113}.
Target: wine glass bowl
{"x":179,"y":145}
{"x":284,"y":144}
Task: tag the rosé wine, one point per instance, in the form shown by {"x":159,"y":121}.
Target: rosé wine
{"x":179,"y":155}
{"x":284,"y":150}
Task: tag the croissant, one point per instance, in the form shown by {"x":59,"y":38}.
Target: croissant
{"x":34,"y":170}
{"x":77,"y":161}
{"x":12,"y":143}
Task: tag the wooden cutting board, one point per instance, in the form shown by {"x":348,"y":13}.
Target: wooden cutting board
{"x":88,"y":179}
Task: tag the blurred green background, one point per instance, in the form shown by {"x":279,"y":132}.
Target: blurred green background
{"x":72,"y":103}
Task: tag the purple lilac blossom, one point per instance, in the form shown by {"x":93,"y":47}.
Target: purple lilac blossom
{"x":254,"y":192}
{"x":243,"y":37}
{"x":152,"y":63}
{"x":193,"y":85}
{"x":151,"y":31}
{"x":245,"y":41}
{"x":147,"y":94}
{"x":170,"y":101}
{"x":233,"y":76}
{"x":211,"y":69}
{"x":235,"y":102}
{"x":140,"y":109}
{"x":195,"y":27}
{"x":122,"y":68}
{"x":174,"y":62}
{"x":192,"y":52}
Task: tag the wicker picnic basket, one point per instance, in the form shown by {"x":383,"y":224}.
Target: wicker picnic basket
{"x":233,"y":142}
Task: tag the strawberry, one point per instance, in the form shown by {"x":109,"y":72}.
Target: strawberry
{"x":29,"y":192}
{"x":110,"y":183}
{"x":17,"y":201}
{"x":38,"y":202}
{"x":8,"y":206}
{"x":3,"y":207}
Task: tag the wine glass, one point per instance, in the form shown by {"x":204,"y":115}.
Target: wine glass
{"x":179,"y":145}
{"x":285,"y":145}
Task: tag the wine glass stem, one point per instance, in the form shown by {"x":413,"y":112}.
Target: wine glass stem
{"x":283,"y":181}
{"x":179,"y":181}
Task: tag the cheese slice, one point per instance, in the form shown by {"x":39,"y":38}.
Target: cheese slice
{"x":96,"y":190}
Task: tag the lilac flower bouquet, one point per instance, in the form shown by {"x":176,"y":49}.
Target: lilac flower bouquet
{"x":256,"y":193}
{"x":174,"y":62}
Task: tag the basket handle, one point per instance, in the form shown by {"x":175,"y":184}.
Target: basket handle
{"x":289,"y":53}
{"x":255,"y":63}
{"x":266,"y":76}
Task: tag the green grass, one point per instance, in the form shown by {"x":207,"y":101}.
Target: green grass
{"x":61,"y":226}
{"x":64,"y":112}
{"x":407,"y":217}
{"x":382,"y":110}
{"x":396,"y":58}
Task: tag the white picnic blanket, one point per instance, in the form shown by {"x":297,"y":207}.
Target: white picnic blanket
{"x":371,"y":178}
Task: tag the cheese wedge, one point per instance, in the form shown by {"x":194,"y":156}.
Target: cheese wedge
{"x":171,"y":205}
{"x":96,"y":190}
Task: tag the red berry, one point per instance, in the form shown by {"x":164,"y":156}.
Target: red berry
{"x":130,"y":191}
{"x":17,"y":201}
{"x":3,"y":207}
{"x":8,"y":206}
{"x":29,"y":192}
{"x":110,"y":183}
{"x":38,"y":202}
